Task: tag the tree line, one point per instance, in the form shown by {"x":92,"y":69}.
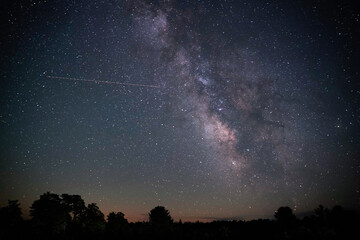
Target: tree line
{"x":67,"y":216}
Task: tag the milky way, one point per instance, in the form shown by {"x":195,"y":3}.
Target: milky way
{"x":215,"y":109}
{"x":226,"y":96}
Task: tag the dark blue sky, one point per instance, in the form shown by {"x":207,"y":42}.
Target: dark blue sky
{"x":256,"y":105}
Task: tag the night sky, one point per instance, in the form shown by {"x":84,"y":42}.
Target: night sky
{"x":213,"y":109}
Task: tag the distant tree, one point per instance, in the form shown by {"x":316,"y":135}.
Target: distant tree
{"x":340,"y":217}
{"x":319,"y":212}
{"x":11,"y":214}
{"x":74,"y":204}
{"x":284,"y":214}
{"x":161,"y":223}
{"x":160,"y":216}
{"x":285,"y":218}
{"x":338,"y":211}
{"x":50,"y":216}
{"x":322,"y":214}
{"x":10,"y":220}
{"x":93,"y":219}
{"x":117,"y":225}
{"x":116,"y":218}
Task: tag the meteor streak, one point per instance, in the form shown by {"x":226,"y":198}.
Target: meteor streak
{"x":104,"y":82}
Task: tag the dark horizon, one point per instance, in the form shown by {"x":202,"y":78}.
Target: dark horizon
{"x":26,"y":214}
{"x":67,"y":216}
{"x":299,"y":215}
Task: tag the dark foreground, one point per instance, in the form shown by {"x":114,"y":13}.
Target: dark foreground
{"x":67,"y":217}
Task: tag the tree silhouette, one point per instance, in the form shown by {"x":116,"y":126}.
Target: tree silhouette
{"x":284,"y":215}
{"x":49,"y":214}
{"x":74,"y":204}
{"x":11,"y":215}
{"x":116,"y":218}
{"x":322,"y":214}
{"x":10,"y":220}
{"x":161,"y":223}
{"x":93,"y":219}
{"x":320,"y":211}
{"x":160,"y":216}
{"x":286,"y":220}
{"x":117,"y":225}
